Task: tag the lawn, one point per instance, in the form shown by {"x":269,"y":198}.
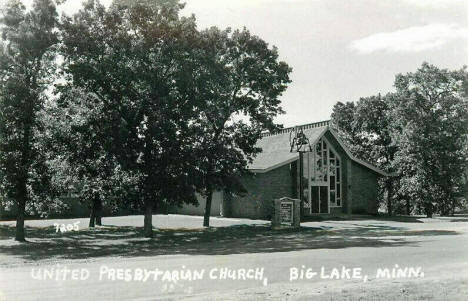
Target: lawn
{"x":421,"y":290}
{"x":437,"y":245}
{"x":228,"y":237}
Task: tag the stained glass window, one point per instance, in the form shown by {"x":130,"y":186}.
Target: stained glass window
{"x":322,"y":170}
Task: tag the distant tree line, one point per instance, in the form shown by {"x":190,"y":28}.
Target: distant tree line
{"x":420,"y":134}
{"x":130,"y":105}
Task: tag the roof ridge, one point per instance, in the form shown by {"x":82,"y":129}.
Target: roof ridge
{"x":303,"y":126}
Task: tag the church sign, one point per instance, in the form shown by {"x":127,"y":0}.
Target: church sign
{"x":286,"y":213}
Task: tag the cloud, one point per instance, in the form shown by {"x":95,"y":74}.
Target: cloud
{"x":434,"y":3}
{"x":411,"y":39}
{"x":242,"y":3}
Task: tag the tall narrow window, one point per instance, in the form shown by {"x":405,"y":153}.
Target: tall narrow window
{"x":324,"y":178}
{"x":338,"y":183}
{"x":305,"y":179}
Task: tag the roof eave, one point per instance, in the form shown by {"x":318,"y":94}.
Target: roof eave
{"x":264,"y":170}
{"x":340,"y":142}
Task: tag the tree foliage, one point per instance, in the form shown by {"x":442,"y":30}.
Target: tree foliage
{"x":238,"y":91}
{"x":365,"y":126}
{"x":431,"y":119}
{"x":139,"y":62}
{"x":91,"y":173}
{"x":27,"y":53}
{"x":419,"y":132}
{"x":146,"y":100}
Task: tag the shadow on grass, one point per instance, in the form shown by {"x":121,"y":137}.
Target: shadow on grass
{"x":46,"y":244}
{"x":401,"y":218}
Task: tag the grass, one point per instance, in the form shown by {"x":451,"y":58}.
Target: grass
{"x":349,"y":217}
{"x":417,"y":290}
{"x":111,"y":241}
{"x":453,"y":290}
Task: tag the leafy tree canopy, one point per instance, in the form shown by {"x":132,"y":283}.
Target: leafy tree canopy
{"x":27,"y":53}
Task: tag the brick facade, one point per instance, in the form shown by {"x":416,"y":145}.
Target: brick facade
{"x":359,"y":184}
{"x":262,"y":189}
{"x":364,"y":189}
{"x":216,"y":206}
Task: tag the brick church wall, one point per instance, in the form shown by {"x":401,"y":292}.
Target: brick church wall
{"x":364,"y":190}
{"x":262,"y":189}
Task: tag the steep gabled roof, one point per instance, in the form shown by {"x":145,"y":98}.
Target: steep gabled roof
{"x":276,"y":148}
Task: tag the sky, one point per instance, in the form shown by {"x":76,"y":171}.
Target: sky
{"x":341,"y":50}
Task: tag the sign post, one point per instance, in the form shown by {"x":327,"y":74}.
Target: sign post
{"x":299,"y":143}
{"x":287,"y":213}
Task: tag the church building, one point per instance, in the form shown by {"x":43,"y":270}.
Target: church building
{"x":324,"y":175}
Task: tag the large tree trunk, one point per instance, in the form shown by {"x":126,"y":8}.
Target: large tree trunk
{"x":452,"y":209}
{"x":389,"y":197}
{"x":206,"y":217}
{"x":20,"y":219}
{"x":148,"y":223}
{"x":98,"y":210}
{"x":428,"y":208}
{"x":22,"y":191}
{"x":92,"y":217}
{"x":408,"y":207}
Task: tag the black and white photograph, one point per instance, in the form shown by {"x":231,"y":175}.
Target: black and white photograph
{"x":233,"y":150}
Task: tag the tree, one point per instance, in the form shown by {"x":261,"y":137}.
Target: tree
{"x":431,"y":116}
{"x":342,"y":120}
{"x":93,"y":174}
{"x":239,"y":88}
{"x":139,"y":61}
{"x":26,"y":66}
{"x":366,"y":128}
{"x":376,"y":143}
